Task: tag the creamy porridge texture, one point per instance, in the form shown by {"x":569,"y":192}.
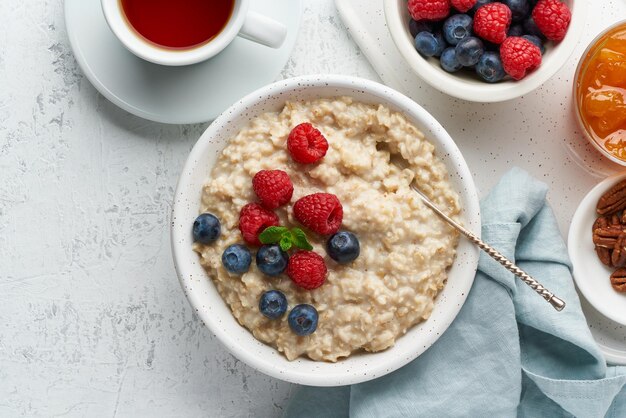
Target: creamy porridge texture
{"x":405,"y":249}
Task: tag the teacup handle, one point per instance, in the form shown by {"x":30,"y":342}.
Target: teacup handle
{"x":263,"y":30}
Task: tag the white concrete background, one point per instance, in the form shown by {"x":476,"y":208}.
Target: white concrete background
{"x":92,"y":319}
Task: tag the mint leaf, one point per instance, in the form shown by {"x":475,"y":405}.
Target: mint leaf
{"x":272,"y":234}
{"x":286,"y":243}
{"x":285,"y":238}
{"x":300,"y":240}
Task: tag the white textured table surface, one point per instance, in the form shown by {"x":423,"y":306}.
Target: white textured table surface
{"x":93,"y":321}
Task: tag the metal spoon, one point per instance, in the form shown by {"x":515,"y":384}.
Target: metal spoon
{"x":556,"y":303}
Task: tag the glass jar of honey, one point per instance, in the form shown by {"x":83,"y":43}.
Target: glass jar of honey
{"x":600,"y":92}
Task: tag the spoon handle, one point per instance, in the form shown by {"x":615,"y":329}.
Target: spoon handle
{"x":556,"y":303}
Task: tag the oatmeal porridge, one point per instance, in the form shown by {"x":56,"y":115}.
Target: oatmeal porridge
{"x":405,"y":249}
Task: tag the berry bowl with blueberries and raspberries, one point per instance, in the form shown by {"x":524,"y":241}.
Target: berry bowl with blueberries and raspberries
{"x":300,"y":244}
{"x":485,"y":50}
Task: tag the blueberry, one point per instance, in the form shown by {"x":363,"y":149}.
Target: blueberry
{"x":417,"y":26}
{"x":478,"y":5}
{"x":515,"y":30}
{"x":271,"y":260}
{"x":273,"y":304}
{"x":457,"y":27}
{"x":430,"y":44}
{"x":530,"y":27}
{"x":236,"y":258}
{"x":448,"y":60}
{"x":537,"y":41}
{"x":343,"y":247}
{"x":206,"y":228}
{"x":489,"y":67}
{"x":519,"y":9}
{"x":469,"y":50}
{"x":303,"y":319}
{"x":441,"y":43}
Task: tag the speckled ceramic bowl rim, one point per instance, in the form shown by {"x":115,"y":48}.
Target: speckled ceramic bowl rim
{"x":397,"y":17}
{"x":214,"y":312}
{"x":597,"y":290}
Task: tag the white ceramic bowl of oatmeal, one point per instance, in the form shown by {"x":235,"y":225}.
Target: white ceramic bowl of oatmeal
{"x":203,"y":294}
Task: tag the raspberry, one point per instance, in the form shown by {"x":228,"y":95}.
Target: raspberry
{"x":492,"y":21}
{"x":519,"y":56}
{"x":552,"y":17}
{"x":320,"y":212}
{"x":429,"y":9}
{"x":272,"y":187}
{"x":463,"y":5}
{"x":253,"y":219}
{"x":307,"y":269}
{"x":306,"y":144}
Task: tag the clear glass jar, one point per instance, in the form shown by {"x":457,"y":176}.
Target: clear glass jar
{"x":612,"y":145}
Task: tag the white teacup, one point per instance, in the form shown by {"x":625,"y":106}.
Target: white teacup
{"x":243,"y":22}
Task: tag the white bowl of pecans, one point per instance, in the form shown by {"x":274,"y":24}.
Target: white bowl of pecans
{"x":597,"y":247}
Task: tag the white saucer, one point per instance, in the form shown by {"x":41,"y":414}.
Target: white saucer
{"x":191,"y":94}
{"x":604,"y":308}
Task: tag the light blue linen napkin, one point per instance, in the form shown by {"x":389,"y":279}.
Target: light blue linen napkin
{"x":508,"y":353}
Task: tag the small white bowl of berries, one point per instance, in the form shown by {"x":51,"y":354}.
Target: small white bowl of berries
{"x":485,"y":50}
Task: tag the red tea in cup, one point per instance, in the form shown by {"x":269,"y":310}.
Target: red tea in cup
{"x":178,"y":24}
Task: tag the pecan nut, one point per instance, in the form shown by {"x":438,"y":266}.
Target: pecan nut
{"x":618,"y":280}
{"x":609,"y":234}
{"x":613,"y":200}
{"x":605,"y":256}
{"x":601,"y":222}
{"x":618,"y":256}
{"x":607,"y":237}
